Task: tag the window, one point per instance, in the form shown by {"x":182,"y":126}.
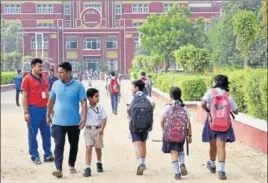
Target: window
{"x":167,"y":7}
{"x":137,"y":24}
{"x":92,"y":44}
{"x":74,"y":64}
{"x":67,"y":24}
{"x":221,"y":11}
{"x":39,"y":43}
{"x":95,"y":6}
{"x":111,"y":43}
{"x":12,"y":9}
{"x":91,"y":63}
{"x":44,"y":25}
{"x":136,"y":43}
{"x":116,"y":23}
{"x":118,"y":9}
{"x":140,"y":8}
{"x":45,"y":8}
{"x":112,"y":65}
{"x":71,"y":44}
{"x":67,"y":9}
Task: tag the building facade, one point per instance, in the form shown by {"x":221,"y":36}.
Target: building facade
{"x":94,"y":34}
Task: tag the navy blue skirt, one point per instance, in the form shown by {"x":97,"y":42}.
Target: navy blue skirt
{"x":171,"y":146}
{"x":209,"y":135}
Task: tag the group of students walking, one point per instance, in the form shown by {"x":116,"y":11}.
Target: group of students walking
{"x":66,"y":94}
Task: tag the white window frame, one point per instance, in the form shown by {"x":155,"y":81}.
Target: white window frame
{"x":137,"y":24}
{"x":95,"y":6}
{"x":118,"y":9}
{"x":111,"y":67}
{"x":90,"y":41}
{"x":136,"y":42}
{"x":44,"y":25}
{"x":12,"y":8}
{"x":67,"y":9}
{"x":140,"y":8}
{"x":68,"y":43}
{"x":113,"y":41}
{"x":74,"y":64}
{"x":39,"y":43}
{"x":44,"y":8}
{"x":167,"y":6}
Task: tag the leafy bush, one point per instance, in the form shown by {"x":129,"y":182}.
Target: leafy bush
{"x":7,"y":77}
{"x":248,"y":88}
{"x":254,"y":93}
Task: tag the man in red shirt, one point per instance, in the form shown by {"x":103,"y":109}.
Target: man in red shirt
{"x":35,"y":98}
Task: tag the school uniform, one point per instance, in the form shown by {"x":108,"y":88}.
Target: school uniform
{"x":95,"y":116}
{"x":208,"y":134}
{"x":134,"y":135}
{"x":171,"y":146}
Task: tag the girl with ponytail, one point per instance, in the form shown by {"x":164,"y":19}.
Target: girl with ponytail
{"x":175,"y":149}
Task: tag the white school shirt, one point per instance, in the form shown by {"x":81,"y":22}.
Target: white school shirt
{"x":208,"y":96}
{"x":167,"y":108}
{"x":95,"y":116}
{"x":139,"y":93}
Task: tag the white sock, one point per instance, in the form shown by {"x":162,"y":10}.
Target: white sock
{"x":181,"y":158}
{"x":87,"y":166}
{"x":140,"y":160}
{"x":143,"y":160}
{"x":212,"y":163}
{"x":99,"y":161}
{"x":222,"y":164}
{"x":176,"y":167}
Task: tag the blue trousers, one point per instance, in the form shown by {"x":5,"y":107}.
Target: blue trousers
{"x":114,"y":101}
{"x":38,"y":121}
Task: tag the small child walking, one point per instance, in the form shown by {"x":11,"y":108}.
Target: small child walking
{"x":176,"y":126}
{"x":94,"y":129}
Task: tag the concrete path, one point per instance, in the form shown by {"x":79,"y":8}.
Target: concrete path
{"x":243,"y":165}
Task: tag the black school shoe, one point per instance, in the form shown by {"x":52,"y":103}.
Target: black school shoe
{"x":184,"y":171}
{"x":87,"y":172}
{"x":99,"y":167}
{"x":222,"y":175}
{"x":211,"y":169}
{"x":177,"y":176}
{"x":141,"y":169}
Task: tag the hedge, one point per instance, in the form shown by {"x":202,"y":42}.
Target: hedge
{"x":7,"y":77}
{"x":248,"y":88}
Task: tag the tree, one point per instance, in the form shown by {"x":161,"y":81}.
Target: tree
{"x":245,"y":26}
{"x":263,"y":16}
{"x":161,"y":35}
{"x":11,"y":61}
{"x":193,"y":60}
{"x":9,"y":33}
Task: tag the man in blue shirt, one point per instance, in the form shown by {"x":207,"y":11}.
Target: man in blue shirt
{"x":17,"y":81}
{"x":66,"y":94}
{"x":51,"y":79}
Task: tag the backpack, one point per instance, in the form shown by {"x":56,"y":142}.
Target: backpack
{"x":176,"y":124}
{"x":219,"y":115}
{"x":141,"y":112}
{"x":114,"y":86}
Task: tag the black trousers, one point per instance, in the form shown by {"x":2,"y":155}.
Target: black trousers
{"x":59,"y":133}
{"x":18,"y":96}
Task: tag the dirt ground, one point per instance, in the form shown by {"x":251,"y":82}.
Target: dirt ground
{"x":243,"y":164}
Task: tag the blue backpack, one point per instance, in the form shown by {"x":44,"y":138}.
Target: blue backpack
{"x":141,"y":112}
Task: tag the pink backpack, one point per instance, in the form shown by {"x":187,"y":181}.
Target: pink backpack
{"x":175,"y":126}
{"x":219,"y":116}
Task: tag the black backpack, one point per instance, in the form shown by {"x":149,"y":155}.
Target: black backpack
{"x":141,"y":112}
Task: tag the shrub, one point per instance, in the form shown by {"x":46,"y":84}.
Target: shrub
{"x":253,"y":94}
{"x":193,"y":89}
{"x":7,"y":77}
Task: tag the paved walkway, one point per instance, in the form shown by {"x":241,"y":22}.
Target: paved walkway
{"x":244,"y":165}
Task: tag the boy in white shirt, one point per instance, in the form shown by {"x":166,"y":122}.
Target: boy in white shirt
{"x":94,"y":129}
